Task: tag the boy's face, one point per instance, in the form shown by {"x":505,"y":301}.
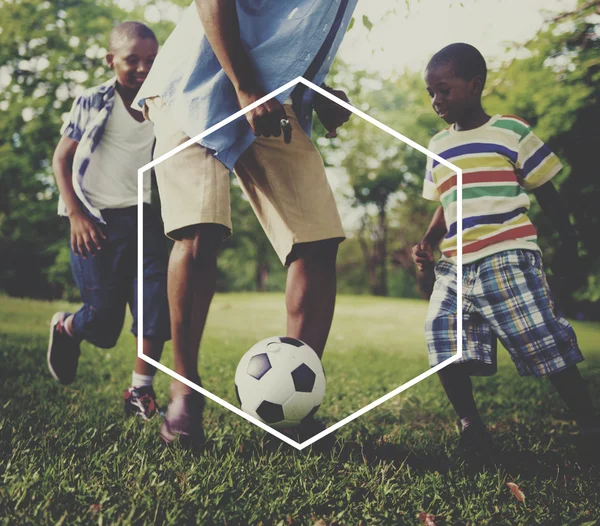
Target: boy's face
{"x":452,"y":97}
{"x":131,"y":60}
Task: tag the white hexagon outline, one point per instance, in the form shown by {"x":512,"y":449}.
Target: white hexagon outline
{"x":459,"y":258}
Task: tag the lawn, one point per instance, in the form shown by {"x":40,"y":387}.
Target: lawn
{"x":68,"y":455}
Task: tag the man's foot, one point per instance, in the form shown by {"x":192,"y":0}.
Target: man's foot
{"x":308,"y":428}
{"x":141,"y":401}
{"x":183,"y":421}
{"x":63,"y":350}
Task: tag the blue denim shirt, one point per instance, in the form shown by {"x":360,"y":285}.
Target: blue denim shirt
{"x":86,"y":124}
{"x":282,"y":39}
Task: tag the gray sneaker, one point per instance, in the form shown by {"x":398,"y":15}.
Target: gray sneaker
{"x":63,"y":350}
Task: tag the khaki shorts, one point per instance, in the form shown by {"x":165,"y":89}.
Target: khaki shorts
{"x":285,"y":183}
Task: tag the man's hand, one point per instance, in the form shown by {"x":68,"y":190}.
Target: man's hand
{"x":330,"y":113}
{"x":86,"y":235}
{"x":422,"y":255}
{"x":266,"y":119}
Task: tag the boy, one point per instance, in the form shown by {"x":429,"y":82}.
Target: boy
{"x":505,"y":292}
{"x":103,"y":144}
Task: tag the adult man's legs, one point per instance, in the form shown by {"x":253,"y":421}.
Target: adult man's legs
{"x":310,"y":292}
{"x":194,"y":192}
{"x":287,"y":187}
{"x":191,"y":286}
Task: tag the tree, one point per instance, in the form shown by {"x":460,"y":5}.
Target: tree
{"x":385,"y":173}
{"x":49,"y":52}
{"x":557,"y":90}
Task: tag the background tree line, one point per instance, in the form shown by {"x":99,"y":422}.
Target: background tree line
{"x":51,"y":51}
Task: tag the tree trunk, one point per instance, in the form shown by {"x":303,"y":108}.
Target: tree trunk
{"x":370,"y":265}
{"x":382,"y":285}
{"x":262,"y":276}
{"x":261,"y":271}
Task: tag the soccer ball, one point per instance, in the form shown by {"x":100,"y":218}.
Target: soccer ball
{"x":280,"y":381}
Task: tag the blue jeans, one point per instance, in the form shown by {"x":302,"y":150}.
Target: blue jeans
{"x":108,"y":281}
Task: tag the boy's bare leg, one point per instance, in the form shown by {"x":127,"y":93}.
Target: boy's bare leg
{"x":192,"y":279}
{"x":310,"y":292}
{"x":456,"y":382}
{"x":474,"y":437}
{"x":140,"y":398}
{"x":152,"y":349}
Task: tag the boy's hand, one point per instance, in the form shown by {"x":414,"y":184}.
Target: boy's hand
{"x":267,"y":119}
{"x":86,"y":235}
{"x":422,"y":255}
{"x":330,"y":113}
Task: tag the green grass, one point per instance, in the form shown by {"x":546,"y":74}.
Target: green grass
{"x":68,"y":456}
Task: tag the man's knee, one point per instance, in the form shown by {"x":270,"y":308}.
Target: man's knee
{"x":200,"y":242}
{"x":322,"y":252}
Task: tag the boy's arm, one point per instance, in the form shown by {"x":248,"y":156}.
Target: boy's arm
{"x":85,"y":233}
{"x":422,"y":253}
{"x":220,"y":22}
{"x":553,"y":206}
{"x":62,"y":164}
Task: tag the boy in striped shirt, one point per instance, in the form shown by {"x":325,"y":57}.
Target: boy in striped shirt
{"x":505,"y":292}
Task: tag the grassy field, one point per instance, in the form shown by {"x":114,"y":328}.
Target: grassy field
{"x":68,"y":456}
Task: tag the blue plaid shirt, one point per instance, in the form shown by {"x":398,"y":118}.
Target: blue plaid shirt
{"x":86,"y":124}
{"x":282,"y":38}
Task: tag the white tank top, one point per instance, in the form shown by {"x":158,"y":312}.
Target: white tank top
{"x":126,"y":145}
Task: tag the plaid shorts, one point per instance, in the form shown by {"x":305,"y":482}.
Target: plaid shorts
{"x":505,"y":296}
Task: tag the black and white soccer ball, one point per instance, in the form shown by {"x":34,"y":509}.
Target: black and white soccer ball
{"x":280,"y":381}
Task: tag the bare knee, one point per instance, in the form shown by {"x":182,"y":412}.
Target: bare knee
{"x":200,"y":243}
{"x":316,"y":253}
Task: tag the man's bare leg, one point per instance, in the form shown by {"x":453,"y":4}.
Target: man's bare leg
{"x":310,"y":292}
{"x":192,"y":279}
{"x":191,"y":284}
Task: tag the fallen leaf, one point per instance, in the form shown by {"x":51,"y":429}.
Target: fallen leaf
{"x":320,"y":522}
{"x":427,"y":518}
{"x":516,"y":491}
{"x":94,"y":509}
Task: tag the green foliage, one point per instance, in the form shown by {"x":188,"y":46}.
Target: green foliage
{"x":50,"y":51}
{"x":385,"y":174}
{"x":44,"y":59}
{"x":68,"y":453}
{"x":556,"y":88}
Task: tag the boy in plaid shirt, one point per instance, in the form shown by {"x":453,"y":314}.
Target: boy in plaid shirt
{"x":505,"y":292}
{"x":103,"y":144}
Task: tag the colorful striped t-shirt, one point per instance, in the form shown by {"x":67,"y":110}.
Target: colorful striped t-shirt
{"x":500,"y":161}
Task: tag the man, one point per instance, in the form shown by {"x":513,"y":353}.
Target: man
{"x":223,"y":56}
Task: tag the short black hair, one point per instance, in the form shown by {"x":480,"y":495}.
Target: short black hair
{"x":129,"y":31}
{"x":466,"y":60}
